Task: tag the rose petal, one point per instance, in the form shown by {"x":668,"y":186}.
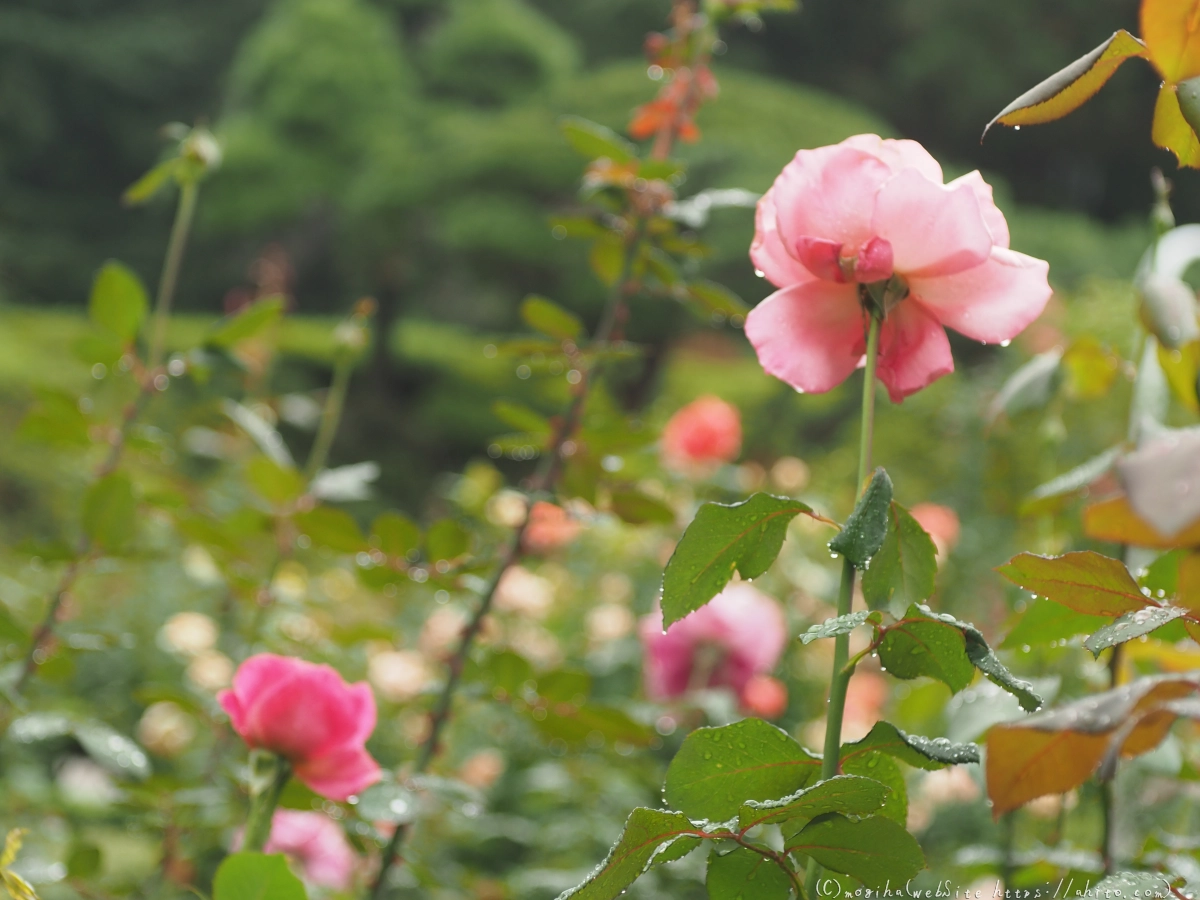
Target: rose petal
{"x":997,"y":225}
{"x":828,"y":193}
{"x":993,"y":302}
{"x":821,"y":257}
{"x":913,"y":351}
{"x":340,"y":774}
{"x":933,"y":229}
{"x":312,"y":712}
{"x":768,"y":253}
{"x":898,"y":154}
{"x":809,"y":335}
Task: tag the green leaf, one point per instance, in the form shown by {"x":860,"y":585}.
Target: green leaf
{"x":852,"y":795}
{"x":1084,"y":581}
{"x":83,"y":861}
{"x":919,"y":645}
{"x":710,"y":297}
{"x":256,"y":876}
{"x":1132,"y":625}
{"x":247,"y":322}
{"x":594,"y":141}
{"x":1045,"y":622}
{"x":275,"y":483}
{"x":866,"y":528}
{"x":650,"y":835}
{"x":718,"y":769}
{"x":905,"y":568}
{"x":607,"y":258}
{"x":586,"y":723}
{"x":112,"y":749}
{"x":386,"y":801}
{"x":395,"y":534}
{"x":840,"y":625}
{"x":1030,"y":387}
{"x":1049,"y":496}
{"x":550,"y":319}
{"x":118,"y":303}
{"x":1069,"y":88}
{"x":110,"y":512}
{"x":745,"y":537}
{"x":446,"y":540}
{"x":986,"y":661}
{"x":879,"y":767}
{"x":150,"y":183}
{"x":636,"y":508}
{"x":918,"y":751}
{"x":875,"y":850}
{"x":56,"y":419}
{"x":743,"y":873}
{"x":332,"y":528}
{"x":521,"y":418}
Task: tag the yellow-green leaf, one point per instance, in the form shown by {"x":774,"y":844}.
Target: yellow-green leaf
{"x":1171,"y":130}
{"x":1068,"y":89}
{"x":1171,"y":30}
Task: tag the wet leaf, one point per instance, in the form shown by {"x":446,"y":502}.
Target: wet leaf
{"x":1045,"y":622}
{"x":1050,"y":496}
{"x":874,"y":850}
{"x":1115,"y":521}
{"x":1054,"y":751}
{"x":387,"y":802}
{"x":865,"y":530}
{"x":1132,"y":625}
{"x":1171,"y":131}
{"x":1068,"y":89}
{"x":650,"y":835}
{"x":905,"y":568}
{"x":745,"y":537}
{"x":840,"y":625}
{"x":883,"y":768}
{"x":920,"y":752}
{"x":718,"y":769}
{"x":852,"y":795}
{"x":918,"y":645}
{"x":1169,"y":30}
{"x":1084,"y":581}
{"x":743,"y":873}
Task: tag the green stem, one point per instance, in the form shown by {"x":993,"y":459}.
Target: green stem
{"x":840,"y":680}
{"x":262,"y":806}
{"x":331,"y":417}
{"x":184,"y":214}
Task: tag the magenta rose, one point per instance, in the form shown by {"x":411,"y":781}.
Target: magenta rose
{"x":308,"y":715}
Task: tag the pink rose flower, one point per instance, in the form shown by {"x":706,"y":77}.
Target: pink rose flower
{"x":307,"y":714}
{"x":701,"y":436}
{"x":740,"y":633}
{"x":765,"y":696}
{"x":869,"y":211}
{"x":315,"y":845}
{"x":866,"y":695}
{"x":940,"y":523}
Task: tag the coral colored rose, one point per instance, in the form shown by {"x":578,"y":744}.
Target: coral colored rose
{"x":307,"y":714}
{"x":549,"y":528}
{"x":765,"y":696}
{"x":866,"y":694}
{"x":740,"y":633}
{"x":701,"y":436}
{"x":315,"y":845}
{"x":940,"y":523}
{"x":872,"y":211}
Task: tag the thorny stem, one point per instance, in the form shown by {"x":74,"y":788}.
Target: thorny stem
{"x":841,"y":648}
{"x":176,"y":244}
{"x":544,"y":479}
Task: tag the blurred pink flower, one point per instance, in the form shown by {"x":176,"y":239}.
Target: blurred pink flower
{"x":740,"y":633}
{"x":866,"y":694}
{"x":701,"y":436}
{"x":866,"y":211}
{"x":549,"y":528}
{"x":940,"y":523}
{"x":316,"y":846}
{"x":765,"y":696}
{"x":307,"y":714}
